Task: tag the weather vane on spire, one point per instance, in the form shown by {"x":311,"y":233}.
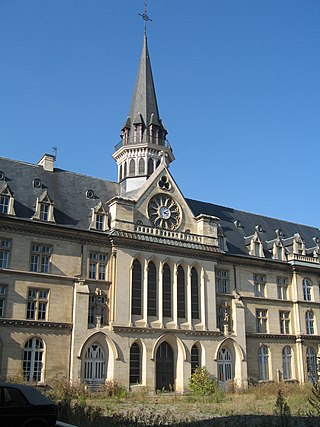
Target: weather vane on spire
{"x":145,"y":17}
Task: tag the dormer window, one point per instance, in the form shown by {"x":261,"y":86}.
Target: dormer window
{"x":222,"y":241}
{"x":6,"y":201}
{"x":99,"y":218}
{"x":298,"y":245}
{"x":44,"y":211}
{"x":4,"y":204}
{"x":44,"y":208}
{"x":254,"y":245}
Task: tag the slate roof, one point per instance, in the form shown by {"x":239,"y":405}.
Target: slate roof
{"x":72,"y":207}
{"x":67,"y":190}
{"x":236,"y":235}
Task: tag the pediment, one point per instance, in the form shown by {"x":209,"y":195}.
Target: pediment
{"x":160,"y":203}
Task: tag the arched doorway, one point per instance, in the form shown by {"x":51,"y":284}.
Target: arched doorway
{"x":164,"y":367}
{"x":225,"y":371}
{"x":94,"y":365}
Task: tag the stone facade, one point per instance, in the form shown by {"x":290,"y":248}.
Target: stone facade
{"x":132,"y":281}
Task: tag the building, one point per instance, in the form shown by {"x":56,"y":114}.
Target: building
{"x":131,"y":281}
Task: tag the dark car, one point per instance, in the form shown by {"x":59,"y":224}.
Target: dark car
{"x":25,"y":406}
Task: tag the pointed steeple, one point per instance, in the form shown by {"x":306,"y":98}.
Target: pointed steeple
{"x":143,"y":136}
{"x":144,"y":102}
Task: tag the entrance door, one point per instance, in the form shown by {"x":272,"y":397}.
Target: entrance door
{"x":164,"y":367}
{"x":94,"y":365}
{"x":224,"y":366}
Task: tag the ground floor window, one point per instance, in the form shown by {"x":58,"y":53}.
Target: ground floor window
{"x":94,"y":364}
{"x":312,"y":364}
{"x":224,"y":365}
{"x":287,"y":363}
{"x":263,"y":358}
{"x":33,"y":360}
{"x":195,"y":358}
{"x":135,"y":364}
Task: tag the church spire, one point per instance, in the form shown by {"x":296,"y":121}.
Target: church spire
{"x":144,"y":107}
{"x":143,"y":136}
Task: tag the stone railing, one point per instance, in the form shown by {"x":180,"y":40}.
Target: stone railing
{"x":169,"y":234}
{"x":303,"y":258}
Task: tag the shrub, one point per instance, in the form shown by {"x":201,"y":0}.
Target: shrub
{"x":282,"y":409}
{"x":202,"y":383}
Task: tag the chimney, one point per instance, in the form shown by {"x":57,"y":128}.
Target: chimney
{"x":47,"y":162}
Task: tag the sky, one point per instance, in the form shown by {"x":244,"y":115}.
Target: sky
{"x":237,"y":82}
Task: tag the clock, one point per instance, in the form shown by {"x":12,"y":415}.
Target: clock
{"x":164,"y":212}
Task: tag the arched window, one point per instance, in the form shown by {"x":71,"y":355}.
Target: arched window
{"x":135,"y":364}
{"x":136,"y":288}
{"x":310,"y":322}
{"x":120,"y":173}
{"x":152,"y":289}
{"x":195,"y":358}
{"x":312,"y":364}
{"x":33,"y":360}
{"x":166,"y":291}
{"x":132,"y":168}
{"x":150,"y":167}
{"x":195,"y":311}
{"x":141,"y":166}
{"x":181,"y":293}
{"x":125,"y":170}
{"x":94,"y":364}
{"x":287,"y":363}
{"x":307,"y":286}
{"x":263,"y":360}
{"x":224,"y":365}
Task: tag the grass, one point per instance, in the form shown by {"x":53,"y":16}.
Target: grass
{"x":113,"y":406}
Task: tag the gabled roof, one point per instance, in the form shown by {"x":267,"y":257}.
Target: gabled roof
{"x":237,"y":225}
{"x":68,"y":190}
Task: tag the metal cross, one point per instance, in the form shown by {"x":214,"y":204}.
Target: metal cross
{"x":145,"y":17}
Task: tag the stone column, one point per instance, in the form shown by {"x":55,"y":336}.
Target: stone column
{"x":145,"y":292}
{"x":188,"y":295}
{"x":202,"y":299}
{"x":175,"y":296}
{"x":160,"y":295}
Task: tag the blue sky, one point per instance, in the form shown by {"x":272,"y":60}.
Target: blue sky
{"x":237,"y":81}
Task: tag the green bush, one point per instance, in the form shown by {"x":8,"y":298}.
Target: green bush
{"x":202,"y":383}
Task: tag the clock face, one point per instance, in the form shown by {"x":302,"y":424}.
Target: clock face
{"x":164,"y":212}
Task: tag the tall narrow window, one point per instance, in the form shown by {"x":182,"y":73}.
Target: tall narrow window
{"x":3,"y":295}
{"x":287,"y":363}
{"x":136,"y":288}
{"x":166,"y":291}
{"x":4,"y":253}
{"x":181,"y":291}
{"x":259,"y":281}
{"x":261,"y":320}
{"x":152,"y":289}
{"x":120,"y":173}
{"x":141,"y":166}
{"x":132,"y":167}
{"x":97,"y":266}
{"x":310,"y":322}
{"x":222,"y":279}
{"x":135,"y":364}
{"x":44,"y":211}
{"x":284,"y":318}
{"x":282,"y":287}
{"x":37,"y":304}
{"x":312,"y":364}
{"x":263,"y":360}
{"x":150,"y":167}
{"x":4,"y":204}
{"x":32,"y":360}
{"x":307,"y":286}
{"x":195,"y":311}
{"x":195,"y":358}
{"x":40,"y":258}
{"x":125,"y":170}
